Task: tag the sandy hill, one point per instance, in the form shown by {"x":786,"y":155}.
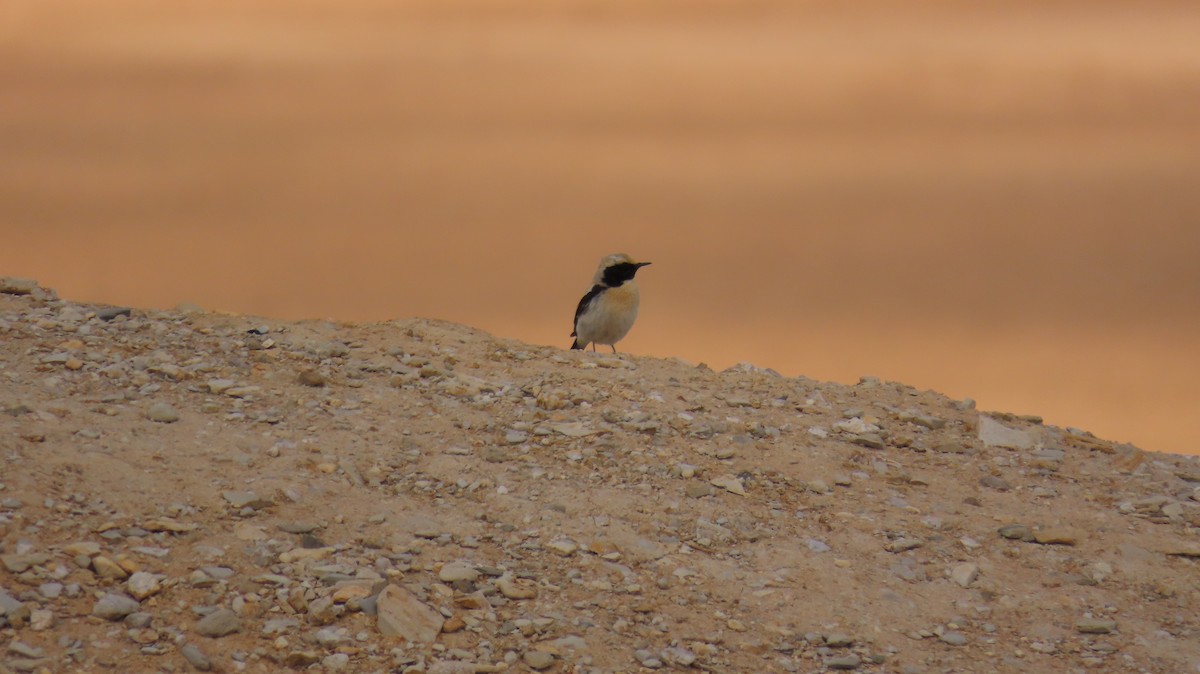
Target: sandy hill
{"x":184,"y":490}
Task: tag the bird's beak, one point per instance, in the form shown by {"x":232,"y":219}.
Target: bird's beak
{"x":643,"y":264}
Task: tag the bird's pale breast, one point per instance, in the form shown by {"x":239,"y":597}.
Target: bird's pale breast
{"x":611,"y":315}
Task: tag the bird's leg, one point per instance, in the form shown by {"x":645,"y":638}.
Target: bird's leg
{"x":593,"y":347}
{"x":614,"y":347}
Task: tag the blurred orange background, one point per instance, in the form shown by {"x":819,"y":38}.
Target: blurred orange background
{"x":991,"y":199}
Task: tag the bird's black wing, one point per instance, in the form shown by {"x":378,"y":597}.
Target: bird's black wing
{"x":583,"y":304}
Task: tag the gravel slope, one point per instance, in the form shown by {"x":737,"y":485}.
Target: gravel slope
{"x":185,"y":490}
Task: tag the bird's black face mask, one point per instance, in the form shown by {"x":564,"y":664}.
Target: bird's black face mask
{"x":617,"y":274}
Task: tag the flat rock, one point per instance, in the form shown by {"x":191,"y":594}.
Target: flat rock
{"x":305,"y":554}
{"x":107,"y":568}
{"x":839,"y":640}
{"x":855,"y":426}
{"x":87,"y":548}
{"x":219,"y":623}
{"x":148,"y":550}
{"x":25,"y":650}
{"x":953,"y":638}
{"x":335,"y":662}
{"x":815,"y":545}
{"x":564,"y":547}
{"x":1095,"y":626}
{"x":11,"y":285}
{"x":250,"y":532}
{"x":109,"y":313}
{"x":300,"y":659}
{"x":903,"y":544}
{"x":995,"y":434}
{"x":964,"y":574}
{"x":675,"y":655}
{"x":142,"y":585}
{"x":162,"y":413}
{"x":275,"y":626}
{"x":401,"y":614}
{"x":647,"y":658}
{"x":22,"y":563}
{"x":1016,"y":532}
{"x":920,"y":419}
{"x":909,"y":569}
{"x":8,"y":603}
{"x":24,"y":665}
{"x":573,"y":429}
{"x":196,"y":658}
{"x":1183,"y":550}
{"x":868,"y":440}
{"x":730,"y":483}
{"x":516,"y":588}
{"x":1055,"y":536}
{"x":218,"y":386}
{"x":246,"y":499}
{"x":311,"y":378}
{"x":115,"y":606}
{"x":457,"y":571}
{"x":351,"y":590}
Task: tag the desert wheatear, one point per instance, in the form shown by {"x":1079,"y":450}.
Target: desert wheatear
{"x":607,"y":311}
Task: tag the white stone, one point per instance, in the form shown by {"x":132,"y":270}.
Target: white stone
{"x":143,"y":584}
{"x":855,"y":426}
{"x":964,"y":574}
{"x":562,"y":546}
{"x":401,"y":614}
{"x":336,"y":662}
{"x":457,"y":571}
{"x":729,"y":483}
{"x":573,"y":429}
{"x":220,"y":385}
{"x":995,"y":434}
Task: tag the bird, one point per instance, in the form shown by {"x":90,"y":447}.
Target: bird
{"x":608,"y":310}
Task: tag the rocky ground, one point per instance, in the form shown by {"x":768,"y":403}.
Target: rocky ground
{"x":185,"y":491}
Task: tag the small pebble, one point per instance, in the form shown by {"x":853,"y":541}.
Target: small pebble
{"x":311,"y":378}
{"x":903,"y":545}
{"x":839,"y":640}
{"x":196,"y":658}
{"x":1017,"y":532}
{"x":954,"y":638}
